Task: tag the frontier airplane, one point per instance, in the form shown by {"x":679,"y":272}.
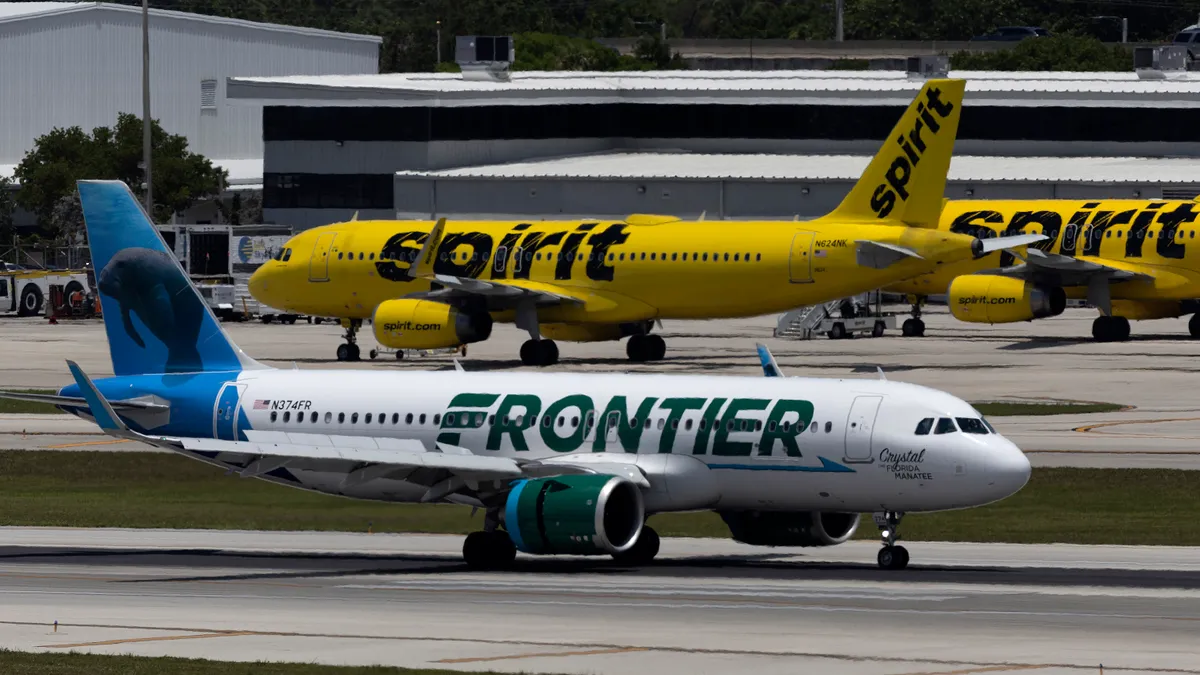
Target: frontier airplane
{"x":428,"y":285}
{"x":560,"y":463}
{"x":1131,"y":259}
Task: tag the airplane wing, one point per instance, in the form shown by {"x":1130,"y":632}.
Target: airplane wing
{"x":1065,"y":270}
{"x":878,"y":255}
{"x":510,"y":290}
{"x":80,"y":402}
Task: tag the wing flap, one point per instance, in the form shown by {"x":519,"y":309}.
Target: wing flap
{"x":878,"y":255}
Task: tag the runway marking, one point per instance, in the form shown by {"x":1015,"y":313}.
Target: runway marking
{"x":1099,"y":425}
{"x":81,"y":444}
{"x":159,"y":638}
{"x":985,"y":669}
{"x":589,"y":652}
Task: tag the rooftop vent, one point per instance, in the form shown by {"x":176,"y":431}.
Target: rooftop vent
{"x":927,"y":67}
{"x":1160,"y":63}
{"x":484,"y":57}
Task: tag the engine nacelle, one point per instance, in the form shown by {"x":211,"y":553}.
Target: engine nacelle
{"x":425,"y":324}
{"x":988,"y":298}
{"x":781,"y":528}
{"x":585,"y":514}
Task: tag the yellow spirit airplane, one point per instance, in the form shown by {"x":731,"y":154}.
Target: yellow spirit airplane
{"x":1130,"y":259}
{"x":428,"y":286}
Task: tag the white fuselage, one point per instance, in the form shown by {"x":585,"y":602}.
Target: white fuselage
{"x":713,"y":442}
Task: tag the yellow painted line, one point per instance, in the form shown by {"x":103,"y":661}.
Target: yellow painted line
{"x":985,"y":669}
{"x":81,"y":444}
{"x":589,"y":652}
{"x":160,"y":638}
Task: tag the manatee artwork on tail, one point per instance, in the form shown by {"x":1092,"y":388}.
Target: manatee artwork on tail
{"x":147,"y":283}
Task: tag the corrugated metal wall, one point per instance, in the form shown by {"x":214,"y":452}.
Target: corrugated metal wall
{"x":83,"y":68}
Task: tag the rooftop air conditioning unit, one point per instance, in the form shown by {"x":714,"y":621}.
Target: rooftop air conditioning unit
{"x":928,"y":67}
{"x":1160,"y":63}
{"x":484,"y":57}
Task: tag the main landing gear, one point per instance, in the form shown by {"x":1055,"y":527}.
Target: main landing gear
{"x":1194,"y":325}
{"x":350,"y":351}
{"x":539,"y":353}
{"x":491,"y":549}
{"x":642,"y":348}
{"x":643,"y":551}
{"x":1113,"y":329}
{"x":914,"y":327}
{"x":891,"y":556}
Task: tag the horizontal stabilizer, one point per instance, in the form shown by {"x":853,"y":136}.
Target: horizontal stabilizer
{"x":878,"y":255}
{"x":101,"y":411}
{"x":80,"y":402}
{"x":1014,"y":241}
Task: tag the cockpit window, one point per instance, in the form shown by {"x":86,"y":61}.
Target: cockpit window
{"x":945,"y":425}
{"x":988,"y":425}
{"x":287,"y":254}
{"x":278,"y":255}
{"x":972,"y":425}
{"x":924,"y":426}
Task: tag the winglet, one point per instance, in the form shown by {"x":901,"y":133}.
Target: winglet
{"x":423,"y":267}
{"x":879,"y":369}
{"x":458,"y":366}
{"x":993,"y":244}
{"x":769,"y":366}
{"x":104,"y":414}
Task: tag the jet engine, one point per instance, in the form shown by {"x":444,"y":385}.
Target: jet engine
{"x":988,"y":298}
{"x":424,"y":324}
{"x":585,"y":514}
{"x":783,"y":528}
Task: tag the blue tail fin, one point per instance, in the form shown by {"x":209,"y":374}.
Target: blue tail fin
{"x":155,"y":319}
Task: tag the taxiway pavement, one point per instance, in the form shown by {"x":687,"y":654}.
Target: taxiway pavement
{"x":1154,"y":373}
{"x":707,"y":606}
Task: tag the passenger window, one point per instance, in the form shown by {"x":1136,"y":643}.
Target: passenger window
{"x":395,"y":418}
{"x":546,"y":422}
{"x":945,"y":425}
{"x":674,"y":257}
{"x":354,"y":418}
{"x":813,"y":427}
{"x":421,"y":419}
{"x":972,"y":425}
{"x":360,"y":255}
{"x":621,"y":257}
{"x":702,"y":425}
{"x":313,"y":418}
{"x":478,"y":419}
{"x":643,"y":256}
{"x":491,"y":420}
{"x":828,"y":427}
{"x":382,"y":418}
{"x":674,"y":424}
{"x":746,"y":257}
{"x":652,"y":256}
{"x":408,"y":418}
{"x":371,"y":257}
{"x":704,"y":257}
{"x":328,"y":418}
{"x":367,"y":419}
{"x":274,"y":416}
{"x":437,"y":419}
{"x":925,"y":426}
{"x":786,"y":426}
{"x":574,"y":422}
{"x":339,"y":255}
{"x":687,"y":425}
{"x":661,"y":423}
{"x":341,"y":418}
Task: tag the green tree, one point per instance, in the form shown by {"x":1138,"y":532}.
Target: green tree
{"x":58,"y":159}
{"x":1060,"y":52}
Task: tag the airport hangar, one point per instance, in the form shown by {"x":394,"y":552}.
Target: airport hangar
{"x":80,"y":64}
{"x":728,"y":144}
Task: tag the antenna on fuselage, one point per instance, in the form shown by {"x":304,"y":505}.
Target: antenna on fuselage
{"x":879,"y":369}
{"x":702,"y":214}
{"x":354,"y":217}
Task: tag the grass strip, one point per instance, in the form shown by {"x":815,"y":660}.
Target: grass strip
{"x":76,"y":663}
{"x":9,"y":406}
{"x":1009,"y":409}
{"x":116,"y":489}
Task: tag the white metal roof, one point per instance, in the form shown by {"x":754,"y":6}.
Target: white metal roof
{"x":243,"y":173}
{"x":1120,"y":89}
{"x":17,"y":11}
{"x":966,"y":168}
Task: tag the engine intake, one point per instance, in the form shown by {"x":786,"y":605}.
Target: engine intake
{"x":585,"y":514}
{"x":784,"y":528}
{"x":989,"y":298}
{"x":425,"y":324}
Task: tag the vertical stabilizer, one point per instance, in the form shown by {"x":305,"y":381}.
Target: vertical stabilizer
{"x":154,"y":317}
{"x":906,"y":181}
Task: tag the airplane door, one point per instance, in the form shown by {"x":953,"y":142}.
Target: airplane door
{"x":226,"y":412}
{"x":318,"y":264}
{"x":610,"y":428}
{"x":860,"y":426}
{"x":800,"y":260}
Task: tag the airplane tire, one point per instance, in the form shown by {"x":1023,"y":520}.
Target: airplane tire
{"x":892,"y":558}
{"x":635,"y":348}
{"x":1194,"y":325}
{"x":548,"y":352}
{"x":529,"y":353}
{"x":1110,"y":329}
{"x":918,"y":328}
{"x":488,"y":551}
{"x":343,"y":353}
{"x":643,"y":551}
{"x":656,"y":348}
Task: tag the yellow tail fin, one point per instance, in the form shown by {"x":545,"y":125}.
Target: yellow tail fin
{"x":906,"y":181}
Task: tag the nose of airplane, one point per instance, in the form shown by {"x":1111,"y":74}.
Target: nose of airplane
{"x":1008,"y":468}
{"x":260,"y":282}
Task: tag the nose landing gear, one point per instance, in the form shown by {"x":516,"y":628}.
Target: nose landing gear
{"x":641,"y":348}
{"x":914,"y":327}
{"x":350,"y":351}
{"x":891,"y":556}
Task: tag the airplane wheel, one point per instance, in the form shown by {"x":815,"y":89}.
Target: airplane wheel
{"x":643,"y":551}
{"x":399,"y":354}
{"x":343,"y":352}
{"x":488,"y":550}
{"x":373,"y":353}
{"x":656,"y":348}
{"x":892,"y":558}
{"x":548,"y":351}
{"x":355,"y":354}
{"x":1110,"y":329}
{"x":1194,"y":325}
{"x":635,"y":348}
{"x":918,"y":328}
